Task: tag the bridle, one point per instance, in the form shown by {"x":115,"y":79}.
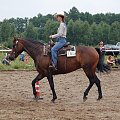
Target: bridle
{"x":13,"y":52}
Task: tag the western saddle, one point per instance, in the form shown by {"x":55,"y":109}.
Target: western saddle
{"x":61,"y":52}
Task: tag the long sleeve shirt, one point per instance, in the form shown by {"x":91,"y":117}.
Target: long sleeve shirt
{"x":62,"y":31}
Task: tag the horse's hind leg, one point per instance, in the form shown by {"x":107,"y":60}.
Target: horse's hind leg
{"x":92,"y":79}
{"x":51,"y":83}
{"x":91,"y":83}
{"x":97,"y":82}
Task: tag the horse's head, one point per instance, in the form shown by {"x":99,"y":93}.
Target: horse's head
{"x":16,"y":49}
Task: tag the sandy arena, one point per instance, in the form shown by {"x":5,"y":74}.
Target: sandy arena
{"x":17,"y":103}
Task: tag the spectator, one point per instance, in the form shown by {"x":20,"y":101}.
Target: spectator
{"x":110,"y":61}
{"x":22,"y":56}
{"x":102,"y":50}
{"x":101,"y":46}
{"x":6,"y":60}
{"x":27,"y":58}
{"x":117,"y":61}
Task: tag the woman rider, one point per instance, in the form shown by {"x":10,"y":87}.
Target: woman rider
{"x":60,"y":36}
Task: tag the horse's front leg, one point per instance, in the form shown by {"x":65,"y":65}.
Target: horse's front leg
{"x":39,"y":77}
{"x":51,"y":83}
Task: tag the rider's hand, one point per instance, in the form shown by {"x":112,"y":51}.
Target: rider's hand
{"x":50,"y":36}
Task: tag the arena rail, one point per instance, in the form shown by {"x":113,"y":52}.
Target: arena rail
{"x":5,"y":50}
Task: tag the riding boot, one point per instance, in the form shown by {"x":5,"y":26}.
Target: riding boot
{"x":53,"y":67}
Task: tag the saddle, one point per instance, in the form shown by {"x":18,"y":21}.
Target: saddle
{"x":61,"y":52}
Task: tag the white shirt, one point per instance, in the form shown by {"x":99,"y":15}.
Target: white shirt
{"x":62,"y":31}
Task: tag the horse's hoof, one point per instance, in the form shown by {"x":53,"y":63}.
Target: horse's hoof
{"x":37,"y":98}
{"x":84,"y":98}
{"x":99,"y":98}
{"x":53,"y":100}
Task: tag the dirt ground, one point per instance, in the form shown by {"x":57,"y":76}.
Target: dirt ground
{"x":17,"y":103}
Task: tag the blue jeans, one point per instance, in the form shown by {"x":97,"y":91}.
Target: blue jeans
{"x":22,"y":57}
{"x":61,"y":42}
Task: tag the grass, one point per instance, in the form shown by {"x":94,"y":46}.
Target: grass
{"x":17,"y":64}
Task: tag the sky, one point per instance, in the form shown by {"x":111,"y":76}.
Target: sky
{"x":31,"y":8}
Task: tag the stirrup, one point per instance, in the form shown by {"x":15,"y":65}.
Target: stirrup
{"x":53,"y":67}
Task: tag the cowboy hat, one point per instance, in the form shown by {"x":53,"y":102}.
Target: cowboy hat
{"x":61,"y":13}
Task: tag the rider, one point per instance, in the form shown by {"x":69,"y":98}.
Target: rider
{"x":60,"y":36}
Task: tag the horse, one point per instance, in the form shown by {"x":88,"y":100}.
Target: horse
{"x":86,"y":58}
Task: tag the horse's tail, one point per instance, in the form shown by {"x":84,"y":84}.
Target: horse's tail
{"x":99,"y":63}
{"x":101,"y":66}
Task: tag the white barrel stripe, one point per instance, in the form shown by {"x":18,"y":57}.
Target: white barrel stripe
{"x":37,"y":90}
{"x":36,"y":85}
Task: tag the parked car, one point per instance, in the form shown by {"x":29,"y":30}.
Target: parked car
{"x":111,"y":47}
{"x":118,"y":45}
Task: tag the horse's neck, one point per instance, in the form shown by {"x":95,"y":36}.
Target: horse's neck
{"x":33,"y":50}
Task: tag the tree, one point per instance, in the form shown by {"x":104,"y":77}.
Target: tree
{"x":74,"y":14}
{"x":86,"y":33}
{"x":37,"y":21}
{"x":110,"y":18}
{"x":104,"y":31}
{"x":5,"y":31}
{"x":12,"y":30}
{"x":70,"y":32}
{"x":115,"y":32}
{"x":49,"y":29}
{"x":77,"y":32}
{"x":88,"y":17}
{"x":31,"y":32}
{"x":20,"y":24}
{"x":41,"y":32}
{"x":0,"y":34}
{"x":94,"y":34}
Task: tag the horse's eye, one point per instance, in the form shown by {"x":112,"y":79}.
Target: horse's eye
{"x":14,"y":46}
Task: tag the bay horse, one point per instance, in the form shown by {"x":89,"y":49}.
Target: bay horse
{"x":86,"y":58}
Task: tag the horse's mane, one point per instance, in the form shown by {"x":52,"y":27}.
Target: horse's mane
{"x":31,"y":42}
{"x":35,"y":41}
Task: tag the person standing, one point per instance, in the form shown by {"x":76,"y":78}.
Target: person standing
{"x":102,"y":51}
{"x":22,"y":56}
{"x":60,"y":36}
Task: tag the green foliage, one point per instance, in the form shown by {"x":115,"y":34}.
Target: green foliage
{"x":5,"y":31}
{"x":31,"y":32}
{"x":70,"y":31}
{"x":105,"y":31}
{"x":86,"y":33}
{"x":12,"y":30}
{"x":49,"y":29}
{"x":20,"y":24}
{"x":115,"y":32}
{"x":74,"y":14}
{"x":77,"y":31}
{"x":19,"y":65}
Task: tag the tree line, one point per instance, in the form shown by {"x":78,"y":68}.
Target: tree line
{"x":83,"y":28}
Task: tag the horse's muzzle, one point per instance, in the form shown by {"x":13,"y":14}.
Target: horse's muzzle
{"x":11,"y":57}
